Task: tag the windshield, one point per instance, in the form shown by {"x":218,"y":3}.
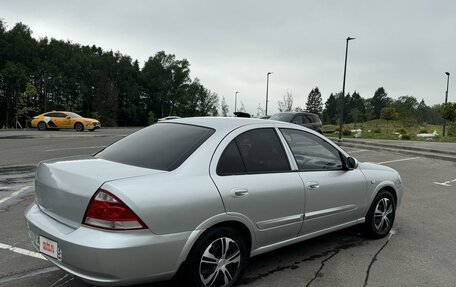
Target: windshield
{"x":283,"y":117}
{"x":73,"y":115}
{"x":163,"y":146}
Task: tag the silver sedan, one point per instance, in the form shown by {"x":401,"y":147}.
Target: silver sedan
{"x":199,"y":196}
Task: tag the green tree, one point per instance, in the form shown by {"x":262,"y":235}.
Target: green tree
{"x":27,"y":105}
{"x":388,"y":114}
{"x":406,"y":107}
{"x":224,"y":107}
{"x":449,"y":111}
{"x":379,"y":101}
{"x":356,"y":108}
{"x":330,"y":114}
{"x":314,"y":102}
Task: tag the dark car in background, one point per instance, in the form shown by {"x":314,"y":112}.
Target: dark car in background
{"x":308,"y":120}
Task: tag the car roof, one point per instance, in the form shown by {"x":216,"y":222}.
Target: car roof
{"x":219,"y":123}
{"x":295,"y":113}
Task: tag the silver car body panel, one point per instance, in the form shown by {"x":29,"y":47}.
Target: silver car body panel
{"x":64,"y":187}
{"x":178,"y":206}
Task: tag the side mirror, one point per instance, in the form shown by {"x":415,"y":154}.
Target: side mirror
{"x":352,"y":163}
{"x":68,"y":117}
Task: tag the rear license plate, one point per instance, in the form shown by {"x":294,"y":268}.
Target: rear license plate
{"x":49,"y":247}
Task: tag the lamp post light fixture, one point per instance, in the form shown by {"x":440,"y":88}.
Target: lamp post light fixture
{"x":341,"y":120}
{"x":267,"y":89}
{"x":446,"y":99}
{"x":235,"y":101}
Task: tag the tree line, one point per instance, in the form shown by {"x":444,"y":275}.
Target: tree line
{"x":357,"y":109}
{"x":48,"y":74}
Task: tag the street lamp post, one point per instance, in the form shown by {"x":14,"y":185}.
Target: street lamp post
{"x":267,"y":89}
{"x":235,"y":101}
{"x":341,"y":120}
{"x":446,"y":99}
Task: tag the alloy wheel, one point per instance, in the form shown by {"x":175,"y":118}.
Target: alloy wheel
{"x":383,"y":214}
{"x":220,"y":262}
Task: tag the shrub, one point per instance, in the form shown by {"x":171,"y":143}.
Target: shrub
{"x":151,"y":118}
{"x":377,"y":131}
{"x":329,"y":128}
{"x":346,"y":132}
{"x":402,"y":131}
{"x":423,"y":131}
{"x":406,"y":137}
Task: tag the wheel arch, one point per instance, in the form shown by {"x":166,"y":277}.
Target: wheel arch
{"x":223,"y":220}
{"x":389,"y":186}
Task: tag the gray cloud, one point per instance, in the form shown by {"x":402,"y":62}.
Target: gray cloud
{"x":404,"y":46}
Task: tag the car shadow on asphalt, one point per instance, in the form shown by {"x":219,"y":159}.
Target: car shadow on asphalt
{"x":289,"y":257}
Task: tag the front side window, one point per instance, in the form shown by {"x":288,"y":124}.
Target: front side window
{"x":74,"y":115}
{"x":163,"y":146}
{"x":262,"y":152}
{"x":312,"y":152}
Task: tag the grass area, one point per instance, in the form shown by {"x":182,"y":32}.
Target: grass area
{"x":381,"y":129}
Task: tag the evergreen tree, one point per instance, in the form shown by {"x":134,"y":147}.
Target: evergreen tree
{"x":330,"y":114}
{"x":379,"y":101}
{"x":314,"y":102}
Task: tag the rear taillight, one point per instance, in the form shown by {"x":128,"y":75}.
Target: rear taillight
{"x":106,"y":211}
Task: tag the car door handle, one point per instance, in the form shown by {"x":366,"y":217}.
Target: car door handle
{"x":312,"y":185}
{"x":239,"y":192}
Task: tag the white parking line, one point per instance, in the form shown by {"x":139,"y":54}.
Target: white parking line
{"x":16,"y":193}
{"x":22,"y":251}
{"x":446,"y":183}
{"x":70,"y":148}
{"x":357,"y":150}
{"x":397,"y":160}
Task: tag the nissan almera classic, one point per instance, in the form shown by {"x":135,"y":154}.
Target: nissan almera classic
{"x":200,"y":196}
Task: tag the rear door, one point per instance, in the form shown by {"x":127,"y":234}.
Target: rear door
{"x":62,"y":121}
{"x":251,"y":170}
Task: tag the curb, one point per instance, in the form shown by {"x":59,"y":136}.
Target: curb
{"x":428,"y":154}
{"x":386,"y":145}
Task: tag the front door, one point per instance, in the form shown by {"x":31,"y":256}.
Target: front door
{"x":334,"y":195}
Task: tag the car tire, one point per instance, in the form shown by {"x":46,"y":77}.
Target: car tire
{"x":78,"y":127}
{"x":42,"y":126}
{"x":381,"y":215}
{"x":218,"y":258}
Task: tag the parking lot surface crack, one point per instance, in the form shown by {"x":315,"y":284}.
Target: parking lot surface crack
{"x":327,"y":254}
{"x":335,"y":252}
{"x":366,"y":280}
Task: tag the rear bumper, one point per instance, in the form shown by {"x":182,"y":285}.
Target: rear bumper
{"x":105,"y":257}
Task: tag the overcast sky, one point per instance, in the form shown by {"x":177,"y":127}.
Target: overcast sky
{"x":405,"y":46}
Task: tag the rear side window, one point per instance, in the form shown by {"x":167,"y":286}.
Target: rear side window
{"x":163,"y":146}
{"x":260,"y":152}
{"x":230,"y":162}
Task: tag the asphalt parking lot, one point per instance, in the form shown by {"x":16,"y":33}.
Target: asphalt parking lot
{"x":420,"y":251}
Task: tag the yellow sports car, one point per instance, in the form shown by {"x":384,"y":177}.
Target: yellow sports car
{"x":64,"y":120}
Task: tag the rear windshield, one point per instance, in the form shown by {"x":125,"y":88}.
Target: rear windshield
{"x":163,"y":146}
{"x":283,"y":117}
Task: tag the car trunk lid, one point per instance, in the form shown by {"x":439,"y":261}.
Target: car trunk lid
{"x":65,"y":186}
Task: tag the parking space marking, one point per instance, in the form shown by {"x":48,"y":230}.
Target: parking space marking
{"x":357,"y":150}
{"x":27,"y":274}
{"x":22,"y":251}
{"x":446,"y":183}
{"x":16,"y":193}
{"x":71,"y":148}
{"x":398,"y":160}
